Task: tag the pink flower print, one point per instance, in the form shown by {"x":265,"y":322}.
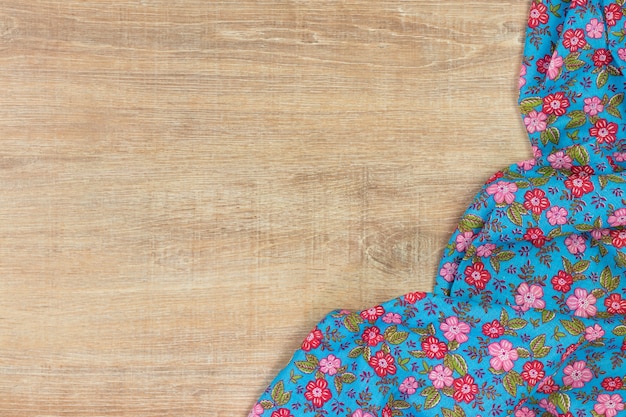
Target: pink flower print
{"x":621,"y":53}
{"x":554,"y":67}
{"x":593,"y":332}
{"x":464,"y":240}
{"x":455,"y":329}
{"x":593,"y":106}
{"x":503,"y":355}
{"x":527,"y":164}
{"x":557,"y":215}
{"x":529,"y":297}
{"x":594,"y":29}
{"x":522,"y":76}
{"x":409,"y":386}
{"x":535,"y":122}
{"x":537,"y":153}
{"x":524,"y":412}
{"x":448,"y":271}
{"x":502,"y":191}
{"x":560,"y":160}
{"x":620,"y":156}
{"x":618,"y":218}
{"x":577,"y":375}
{"x":598,"y":234}
{"x":361,"y":413}
{"x":609,"y":405}
{"x":582,"y":302}
{"x":548,"y":406}
{"x":485,"y":251}
{"x":575,"y":244}
{"x":392,"y":318}
{"x":256,"y":411}
{"x":330,"y":364}
{"x":441,"y":376}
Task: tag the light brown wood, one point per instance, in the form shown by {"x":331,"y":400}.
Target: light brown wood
{"x":188,"y":186}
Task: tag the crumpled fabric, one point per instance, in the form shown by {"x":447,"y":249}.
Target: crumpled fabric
{"x":527,"y":317}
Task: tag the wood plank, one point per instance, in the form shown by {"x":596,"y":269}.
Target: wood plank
{"x":189,"y":186}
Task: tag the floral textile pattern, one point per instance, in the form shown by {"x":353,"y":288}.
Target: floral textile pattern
{"x":527,"y":317}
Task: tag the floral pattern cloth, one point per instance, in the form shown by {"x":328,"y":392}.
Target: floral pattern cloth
{"x":528,"y":315}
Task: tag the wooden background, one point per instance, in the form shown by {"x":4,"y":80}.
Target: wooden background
{"x":188,"y":186}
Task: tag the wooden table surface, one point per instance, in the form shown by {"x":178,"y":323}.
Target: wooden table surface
{"x":188,"y":186}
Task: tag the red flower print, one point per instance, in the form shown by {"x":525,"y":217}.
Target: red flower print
{"x":495,"y":177}
{"x":373,"y":313}
{"x":576,"y":3}
{"x":579,"y":184}
{"x":434,"y":348}
{"x":281,"y":412}
{"x":383,"y":364}
{"x":535,"y":236}
{"x":538,"y":15}
{"x":387,"y":412}
{"x":372,"y":336}
{"x":569,"y":350}
{"x":536,"y":201}
{"x":615,"y":304}
{"x":562,"y":281}
{"x":313,"y":340}
{"x":533,"y":372}
{"x":464,"y":389}
{"x":612,"y":384}
{"x":543,"y":64}
{"x":548,"y":386}
{"x":493,"y":329}
{"x":612,"y":13}
{"x":317,"y":392}
{"x":619,"y":238}
{"x":583,"y":170}
{"x":555,"y":104}
{"x":604,"y":131}
{"x":602,"y":57}
{"x":414,"y":297}
{"x":476,"y":275}
{"x":574,"y":39}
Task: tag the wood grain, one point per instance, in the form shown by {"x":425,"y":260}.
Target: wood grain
{"x":188,"y":186}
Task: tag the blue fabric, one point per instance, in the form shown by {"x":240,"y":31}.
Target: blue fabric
{"x":528,"y":313}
